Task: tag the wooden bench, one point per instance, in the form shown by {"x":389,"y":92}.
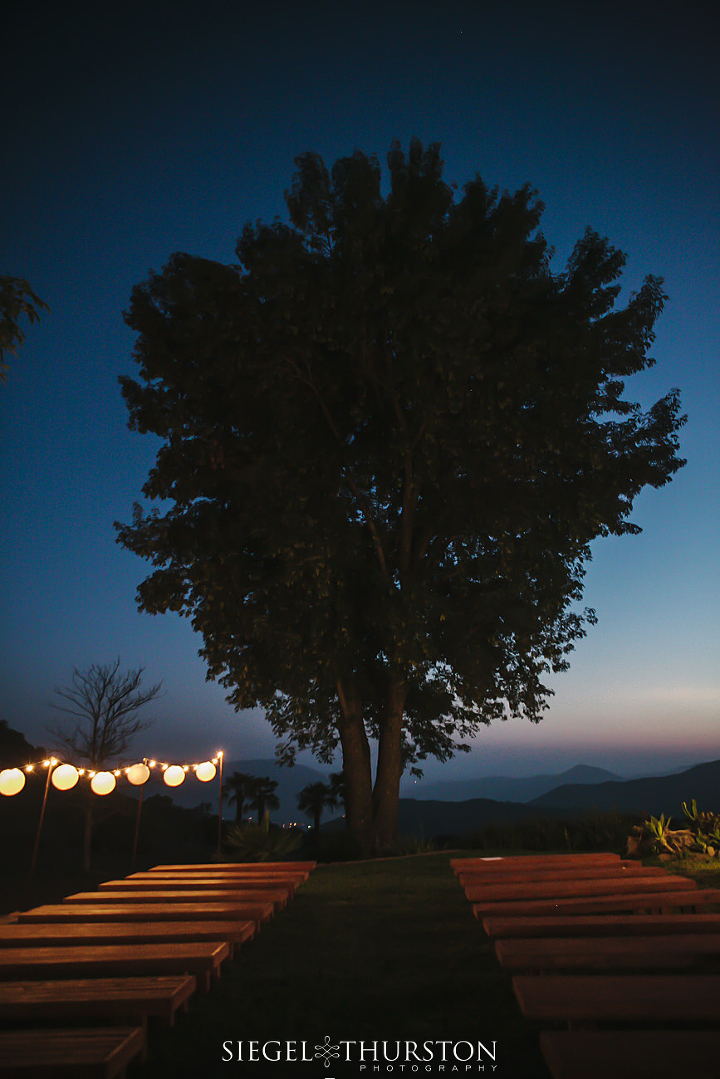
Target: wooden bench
{"x":297,"y":869}
{"x":288,"y":885}
{"x":55,"y":934}
{"x":625,"y":998}
{"x":147,"y":912}
{"x":633,"y":1054}
{"x":96,"y":1053}
{"x":623,"y":902}
{"x":602,"y":925}
{"x":107,"y":894}
{"x":111,"y":960}
{"x":560,"y":889}
{"x":127,"y":1001}
{"x":689,"y":950}
{"x":589,"y":872}
{"x":513,"y":861}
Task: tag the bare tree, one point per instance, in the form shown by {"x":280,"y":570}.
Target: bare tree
{"x":106,"y":703}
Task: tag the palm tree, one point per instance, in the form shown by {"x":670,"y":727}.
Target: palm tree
{"x":313,"y":799}
{"x":264,"y":797}
{"x":337,"y":786}
{"x":239,"y":789}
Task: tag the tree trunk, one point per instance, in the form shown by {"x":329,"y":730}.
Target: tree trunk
{"x":318,"y":814}
{"x":357,"y":769}
{"x":386,"y":792}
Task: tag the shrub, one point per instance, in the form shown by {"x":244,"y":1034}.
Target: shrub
{"x":260,"y":842}
{"x":595,"y":831}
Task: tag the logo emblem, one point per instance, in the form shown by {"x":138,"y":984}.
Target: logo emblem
{"x":326,"y":1051}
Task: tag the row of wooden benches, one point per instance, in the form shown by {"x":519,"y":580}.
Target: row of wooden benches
{"x":135,"y":950}
{"x":599,"y":913}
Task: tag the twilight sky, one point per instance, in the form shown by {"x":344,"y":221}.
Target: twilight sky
{"x":132,"y":130}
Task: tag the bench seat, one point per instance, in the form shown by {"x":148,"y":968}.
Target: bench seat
{"x":602,"y":925}
{"x":561,"y":889}
{"x":625,"y":901}
{"x":562,"y":873}
{"x":168,"y":895}
{"x":690,"y":950}
{"x":296,"y":869}
{"x":109,"y":960}
{"x":114,"y":1000}
{"x":95,"y":1053}
{"x":632,"y":1054}
{"x":288,"y":885}
{"x":147,"y":912}
{"x":54,"y":934}
{"x":513,"y":861}
{"x":623,"y":998}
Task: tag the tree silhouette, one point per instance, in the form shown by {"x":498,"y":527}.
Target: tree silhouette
{"x":16,"y":299}
{"x":263,"y":796}
{"x":314,"y":798}
{"x":338,"y":787}
{"x":239,"y":789}
{"x":106,"y":703}
{"x":390,"y":434}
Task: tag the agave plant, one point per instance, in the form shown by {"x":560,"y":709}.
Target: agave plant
{"x":703,"y":821}
{"x":706,"y":828}
{"x":659,"y":828}
{"x":260,"y":843}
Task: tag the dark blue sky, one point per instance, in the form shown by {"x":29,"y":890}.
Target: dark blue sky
{"x":133,"y":132}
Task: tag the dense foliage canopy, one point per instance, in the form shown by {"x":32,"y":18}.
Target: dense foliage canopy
{"x":390,"y":434}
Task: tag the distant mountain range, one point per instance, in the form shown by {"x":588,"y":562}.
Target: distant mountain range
{"x":470,"y":804}
{"x":453,"y":807}
{"x":655,"y":795}
{"x":511,"y":789}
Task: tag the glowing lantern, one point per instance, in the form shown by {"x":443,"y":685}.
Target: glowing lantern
{"x":64,"y":777}
{"x":205,"y":772}
{"x":12,"y":781}
{"x":174,"y":775}
{"x":103,"y":782}
{"x":138,"y":774}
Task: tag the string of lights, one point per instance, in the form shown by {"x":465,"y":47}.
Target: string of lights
{"x":64,"y":775}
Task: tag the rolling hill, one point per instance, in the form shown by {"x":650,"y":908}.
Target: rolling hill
{"x":655,"y":795}
{"x":510,"y":788}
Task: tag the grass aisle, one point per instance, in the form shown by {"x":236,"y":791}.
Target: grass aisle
{"x":385,"y":950}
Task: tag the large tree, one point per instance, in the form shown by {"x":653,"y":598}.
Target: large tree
{"x":390,"y":434}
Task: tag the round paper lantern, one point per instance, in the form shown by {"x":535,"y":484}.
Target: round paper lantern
{"x":174,"y":775}
{"x":103,"y":782}
{"x":64,"y":777}
{"x":205,"y":772}
{"x":12,"y":781}
{"x":138,"y":774}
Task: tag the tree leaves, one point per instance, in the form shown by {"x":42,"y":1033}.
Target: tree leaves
{"x":389,"y":437}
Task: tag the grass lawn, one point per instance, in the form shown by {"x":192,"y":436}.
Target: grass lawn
{"x":385,"y":950}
